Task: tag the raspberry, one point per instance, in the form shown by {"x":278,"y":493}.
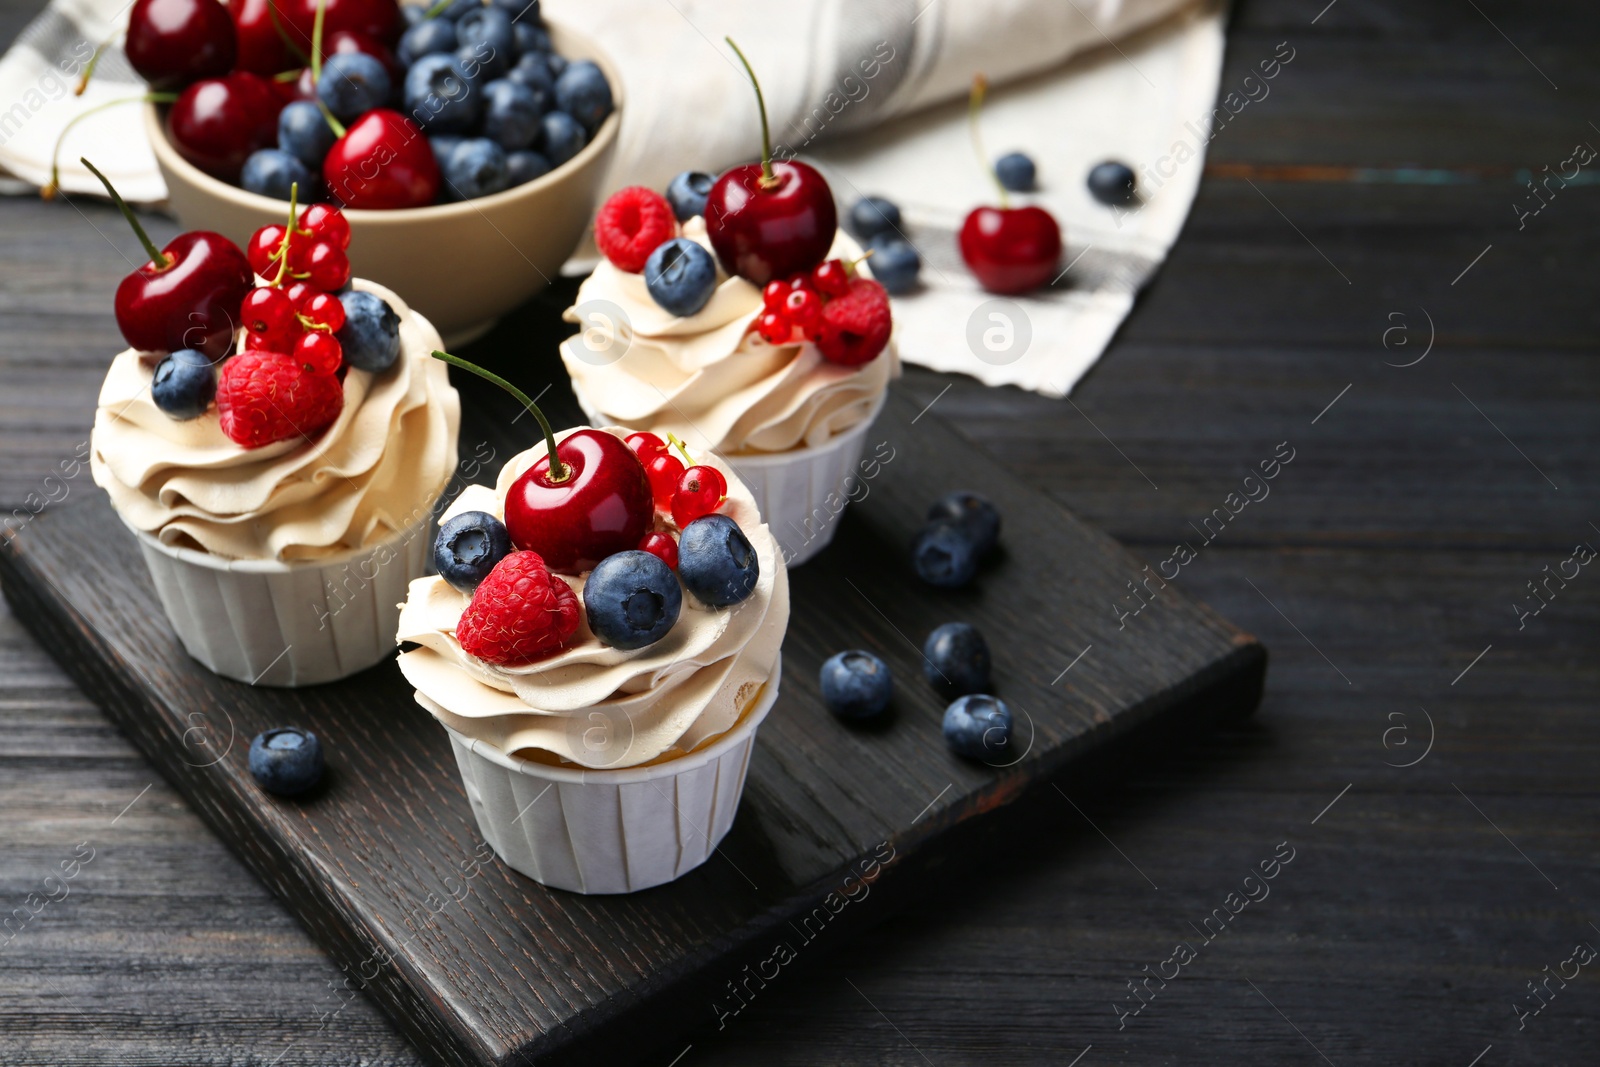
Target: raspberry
{"x":519,"y":613}
{"x":631,"y":225}
{"x":264,"y":398}
{"x":855,"y":327}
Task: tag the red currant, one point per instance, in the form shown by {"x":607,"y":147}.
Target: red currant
{"x":662,"y":546}
{"x":831,"y":278}
{"x":324,"y":309}
{"x":327,"y":223}
{"x":299,"y":292}
{"x":804,"y":309}
{"x":326,"y":266}
{"x":774,"y":327}
{"x":646,"y":446}
{"x":320,"y":352}
{"x":267,"y":311}
{"x":281,"y":342}
{"x":772,"y":296}
{"x":264,"y":244}
{"x":663,"y":472}
{"x":701,"y":490}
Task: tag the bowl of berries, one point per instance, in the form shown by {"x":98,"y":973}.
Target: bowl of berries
{"x":474,"y":130}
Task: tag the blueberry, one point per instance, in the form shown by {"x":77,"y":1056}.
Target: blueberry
{"x":1015,"y":172}
{"x":716,"y":561}
{"x":304,"y":133}
{"x":441,"y":97}
{"x":286,"y":761}
{"x":973,"y":510}
{"x":563,"y":137}
{"x":583,"y":92}
{"x":413,"y":13}
{"x":468,"y":547}
{"x":556,"y":63}
{"x":956,"y":659}
{"x":477,"y":168}
{"x":184,"y":384}
{"x":978,"y":726}
{"x":856,"y":684}
{"x":526,"y":166}
{"x":894,"y":263}
{"x":532,"y":71}
{"x":687,"y":194}
{"x":426,"y":38}
{"x":459,"y":8}
{"x":370,"y":335}
{"x":631,"y":599}
{"x":511,"y":114}
{"x":524,"y":11}
{"x":485,"y":35}
{"x":443,"y":144}
{"x":944,"y":555}
{"x":271,"y":172}
{"x":352,"y":84}
{"x":873,"y":215}
{"x":526,"y":37}
{"x":681,"y":276}
{"x":1112,"y":182}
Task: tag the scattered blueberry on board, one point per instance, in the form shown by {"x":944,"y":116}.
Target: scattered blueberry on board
{"x":873,"y":216}
{"x":973,"y":511}
{"x":894,"y":263}
{"x":1112,"y":183}
{"x":468,"y":547}
{"x":962,"y":528}
{"x":286,"y":761}
{"x":716,"y":561}
{"x":631,"y":599}
{"x":184,"y":384}
{"x":856,"y":684}
{"x":1015,"y":172}
{"x":956,"y":660}
{"x":978,"y":726}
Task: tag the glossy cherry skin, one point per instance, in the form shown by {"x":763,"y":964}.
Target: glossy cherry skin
{"x":1011,"y":250}
{"x":216,"y":123}
{"x":760,"y":233}
{"x":382,"y":162}
{"x":171,"y":43}
{"x":602,"y":508}
{"x":192,"y":303}
{"x":260,"y":47}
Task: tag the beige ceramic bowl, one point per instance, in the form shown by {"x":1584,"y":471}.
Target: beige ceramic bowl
{"x":461,"y":265}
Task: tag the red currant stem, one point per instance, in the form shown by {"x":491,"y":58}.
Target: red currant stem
{"x":312,"y":324}
{"x":768,"y":179}
{"x":49,"y":191}
{"x":282,"y":254}
{"x":674,"y":439}
{"x":94,"y":61}
{"x":277,"y":24}
{"x":316,"y":43}
{"x":980,"y":85}
{"x":559,"y":472}
{"x":159,"y":258}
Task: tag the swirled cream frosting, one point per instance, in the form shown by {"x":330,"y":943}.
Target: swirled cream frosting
{"x":706,"y":377}
{"x":590,"y":704}
{"x":373,"y":473}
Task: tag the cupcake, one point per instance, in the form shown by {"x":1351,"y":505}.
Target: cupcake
{"x":281,"y":482}
{"x":601,"y":699}
{"x":735,"y":315}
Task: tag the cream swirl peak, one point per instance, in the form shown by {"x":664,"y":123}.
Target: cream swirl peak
{"x":392,"y":448}
{"x":590,"y":704}
{"x":706,"y":377}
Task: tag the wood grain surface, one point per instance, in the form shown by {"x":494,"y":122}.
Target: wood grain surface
{"x":1419,"y":905}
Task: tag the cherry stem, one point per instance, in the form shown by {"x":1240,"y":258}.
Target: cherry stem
{"x":768,"y":179}
{"x":980,"y":85}
{"x":559,"y":472}
{"x":277,"y":24}
{"x":49,"y":191}
{"x":158,"y":257}
{"x":316,"y":43}
{"x":94,"y":61}
{"x":437,"y":9}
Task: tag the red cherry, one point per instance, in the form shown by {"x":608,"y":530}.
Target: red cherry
{"x":327,"y":267}
{"x":646,"y":446}
{"x":266,"y":311}
{"x":382,"y":162}
{"x":774,"y":327}
{"x":191,"y":302}
{"x":261,"y":48}
{"x":761,"y":232}
{"x":171,"y":43}
{"x":603,"y":506}
{"x":662,"y":546}
{"x":216,"y":123}
{"x":804,"y":309}
{"x":326,"y":222}
{"x":319,"y":352}
{"x":831,"y":278}
{"x":325,"y":309}
{"x":1011,"y":250}
{"x":663,"y":471}
{"x":701,"y":490}
{"x":377,"y":19}
{"x":264,"y":244}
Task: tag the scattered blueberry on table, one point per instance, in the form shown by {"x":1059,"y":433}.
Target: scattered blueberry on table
{"x":286,"y":761}
{"x":972,"y":510}
{"x":873,"y":216}
{"x":978,"y":726}
{"x":962,"y":528}
{"x":895,"y":263}
{"x":1112,"y":183}
{"x":1015,"y":172}
{"x":468,"y":547}
{"x":856,"y":684}
{"x":956,"y":660}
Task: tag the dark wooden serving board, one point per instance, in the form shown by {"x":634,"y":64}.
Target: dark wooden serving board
{"x":479,"y":965}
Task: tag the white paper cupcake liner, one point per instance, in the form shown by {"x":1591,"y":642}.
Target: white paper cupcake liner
{"x":289,"y":624}
{"x":802,"y":493}
{"x":610,"y":831}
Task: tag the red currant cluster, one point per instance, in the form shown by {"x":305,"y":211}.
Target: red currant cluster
{"x":846,"y":316}
{"x":686,"y":492}
{"x":296,"y":313}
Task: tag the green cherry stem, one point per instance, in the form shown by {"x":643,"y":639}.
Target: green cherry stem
{"x":277,"y":24}
{"x":49,"y":191}
{"x":158,"y":257}
{"x":559,"y":472}
{"x":437,"y":9}
{"x":316,"y":42}
{"x":980,"y":85}
{"x":94,"y":61}
{"x":768,"y":179}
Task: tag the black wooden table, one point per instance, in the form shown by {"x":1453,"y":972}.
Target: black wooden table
{"x":1427,"y":749}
